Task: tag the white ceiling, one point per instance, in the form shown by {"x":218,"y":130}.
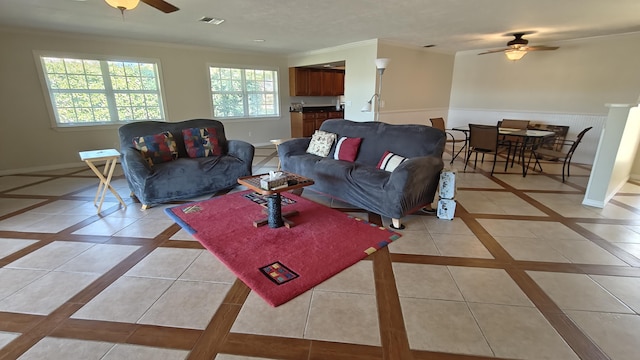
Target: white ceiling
{"x":290,"y":27}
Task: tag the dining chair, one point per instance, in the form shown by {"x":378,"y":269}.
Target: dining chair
{"x":516,"y":142}
{"x":484,"y":139}
{"x":438,"y":123}
{"x":566,"y":156}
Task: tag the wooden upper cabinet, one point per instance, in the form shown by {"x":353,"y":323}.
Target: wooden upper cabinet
{"x":315,"y":82}
{"x":328,"y":79}
{"x":338,"y":83}
{"x":299,"y":82}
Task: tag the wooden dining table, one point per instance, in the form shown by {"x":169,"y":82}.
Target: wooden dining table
{"x":529,"y":138}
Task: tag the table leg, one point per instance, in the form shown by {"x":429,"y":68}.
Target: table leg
{"x":275,"y":217}
{"x":463,"y":148}
{"x":524,"y":146}
{"x":105,"y":183}
{"x":466,"y":146}
{"x":275,"y":210}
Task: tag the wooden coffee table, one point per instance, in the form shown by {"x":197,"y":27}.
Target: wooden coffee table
{"x":275,"y":218}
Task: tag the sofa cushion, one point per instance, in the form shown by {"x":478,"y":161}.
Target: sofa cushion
{"x":347,"y":149}
{"x":321,"y":142}
{"x":390,"y":161}
{"x":157,"y":148}
{"x":201,"y":142}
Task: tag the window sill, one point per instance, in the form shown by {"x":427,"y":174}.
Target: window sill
{"x":101,"y":126}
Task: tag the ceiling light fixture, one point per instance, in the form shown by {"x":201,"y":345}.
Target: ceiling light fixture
{"x":123,"y":5}
{"x":515,"y":55}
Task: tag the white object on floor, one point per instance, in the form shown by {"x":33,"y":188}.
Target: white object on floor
{"x":446,"y":209}
{"x":447,"y":184}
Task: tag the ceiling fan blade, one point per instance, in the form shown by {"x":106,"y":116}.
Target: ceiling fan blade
{"x":540,"y":47}
{"x":494,"y":51}
{"x":161,"y":5}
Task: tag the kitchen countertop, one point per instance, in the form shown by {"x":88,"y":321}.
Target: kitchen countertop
{"x":317,"y":108}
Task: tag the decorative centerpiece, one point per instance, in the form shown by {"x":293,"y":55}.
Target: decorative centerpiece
{"x":273,"y":180}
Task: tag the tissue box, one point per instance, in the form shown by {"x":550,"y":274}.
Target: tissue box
{"x":268,"y":184}
{"x":446,"y":209}
{"x":447,"y":184}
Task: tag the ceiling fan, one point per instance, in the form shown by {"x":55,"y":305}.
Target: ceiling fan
{"x":518,"y":47}
{"x":123,"y":5}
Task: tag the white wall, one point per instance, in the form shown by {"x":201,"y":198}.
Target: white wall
{"x":30,"y":142}
{"x":416,"y":84}
{"x":614,"y":158}
{"x":569,"y":86}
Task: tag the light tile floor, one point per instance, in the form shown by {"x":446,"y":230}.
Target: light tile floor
{"x":493,"y":282}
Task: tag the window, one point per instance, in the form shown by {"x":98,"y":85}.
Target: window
{"x":98,"y":92}
{"x":242,"y":93}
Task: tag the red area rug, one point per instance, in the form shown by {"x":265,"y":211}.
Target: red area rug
{"x":280,"y":264}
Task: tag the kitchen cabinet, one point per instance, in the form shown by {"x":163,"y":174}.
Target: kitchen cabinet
{"x":299,"y":81}
{"x":316,"y":87}
{"x":304,"y":124}
{"x":315,"y":82}
{"x":332,"y":83}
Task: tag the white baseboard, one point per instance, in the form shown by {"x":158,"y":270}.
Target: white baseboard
{"x":594,"y":203}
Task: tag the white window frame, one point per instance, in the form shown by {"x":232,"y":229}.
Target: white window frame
{"x":245,"y":93}
{"x":108,"y":91}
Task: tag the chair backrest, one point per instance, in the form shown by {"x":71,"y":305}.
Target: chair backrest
{"x":437,"y":123}
{"x":514,"y":124}
{"x":577,"y":141}
{"x":484,"y":137}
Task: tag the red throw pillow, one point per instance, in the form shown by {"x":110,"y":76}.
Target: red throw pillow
{"x":347,"y":149}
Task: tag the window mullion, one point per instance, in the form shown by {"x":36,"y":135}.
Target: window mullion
{"x":108,"y":87}
{"x":245,"y":94}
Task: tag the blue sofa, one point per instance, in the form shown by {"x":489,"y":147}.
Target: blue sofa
{"x":409,"y":187}
{"x":183,"y":177}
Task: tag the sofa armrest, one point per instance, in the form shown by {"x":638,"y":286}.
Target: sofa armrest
{"x":241,"y":149}
{"x":416,"y":180}
{"x":136,"y":170}
{"x":293,"y":147}
{"x":135,"y":163}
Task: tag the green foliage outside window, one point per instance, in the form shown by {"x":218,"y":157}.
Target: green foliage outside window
{"x":237,"y":92}
{"x":87,"y":91}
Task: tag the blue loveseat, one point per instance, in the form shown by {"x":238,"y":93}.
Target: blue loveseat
{"x":409,"y":187}
{"x":184,"y":177}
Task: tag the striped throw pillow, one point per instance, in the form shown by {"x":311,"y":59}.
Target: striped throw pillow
{"x":390,"y":161}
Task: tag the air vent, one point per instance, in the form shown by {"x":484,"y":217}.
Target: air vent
{"x":211,"y":20}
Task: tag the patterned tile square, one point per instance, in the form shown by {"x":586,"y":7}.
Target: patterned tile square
{"x":446,"y":326}
{"x":342,"y":317}
{"x":258,"y":317}
{"x":616,"y":334}
{"x":520,"y":333}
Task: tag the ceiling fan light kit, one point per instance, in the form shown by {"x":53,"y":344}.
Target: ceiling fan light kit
{"x":123,"y":4}
{"x":515,"y":55}
{"x":518,"y":47}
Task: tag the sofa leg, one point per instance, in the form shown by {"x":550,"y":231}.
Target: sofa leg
{"x":144,"y":207}
{"x":395,"y":224}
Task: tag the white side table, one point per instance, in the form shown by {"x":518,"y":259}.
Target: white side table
{"x":111,"y":157}
{"x":277,"y":142}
